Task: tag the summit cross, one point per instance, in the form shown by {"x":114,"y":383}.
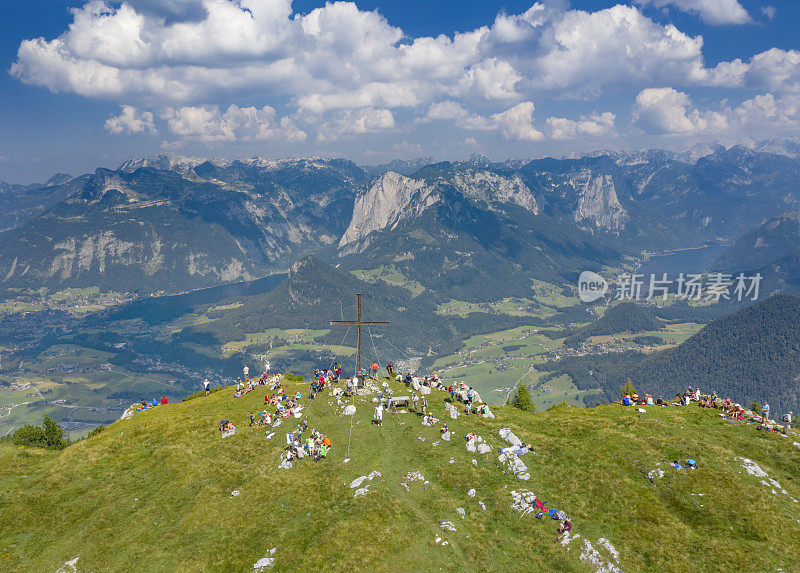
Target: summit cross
{"x":358,"y":323}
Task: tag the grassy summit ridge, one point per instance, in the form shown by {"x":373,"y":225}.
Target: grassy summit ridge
{"x":153,"y":493}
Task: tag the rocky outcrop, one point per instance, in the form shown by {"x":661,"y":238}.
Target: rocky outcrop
{"x":597,"y":201}
{"x":387,"y":201}
{"x":494,"y":188}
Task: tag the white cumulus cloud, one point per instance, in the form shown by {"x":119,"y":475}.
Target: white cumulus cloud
{"x":668,"y":111}
{"x":356,"y":122}
{"x":452,"y":110}
{"x":517,"y":123}
{"x":338,"y":56}
{"x":131,"y":120}
{"x":340,"y":71}
{"x":207,"y":123}
{"x":594,"y":125}
{"x":714,"y":12}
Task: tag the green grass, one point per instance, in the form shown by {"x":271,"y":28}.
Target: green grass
{"x":551,"y":295}
{"x":556,"y":391}
{"x":293,"y":335}
{"x":497,"y":360}
{"x":672,"y":335}
{"x":510,"y":306}
{"x":153,"y":493}
{"x":390,"y":275}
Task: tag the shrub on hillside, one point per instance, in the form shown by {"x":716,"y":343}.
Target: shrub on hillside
{"x":290,"y":377}
{"x":756,"y":408}
{"x":99,"y":429}
{"x":522,"y":399}
{"x":627,"y":389}
{"x":49,"y":435}
{"x":201,"y":393}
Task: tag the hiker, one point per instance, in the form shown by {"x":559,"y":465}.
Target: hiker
{"x":379,"y":414}
{"x":252,"y":419}
{"x":787,"y":420}
{"x":564,"y":529}
{"x":375,"y":370}
{"x":415,"y":402}
{"x":626,"y":400}
{"x":424,"y":405}
{"x":163,"y":400}
{"x":390,"y":369}
{"x":765,"y":412}
{"x":207,"y":386}
{"x":443,"y":429}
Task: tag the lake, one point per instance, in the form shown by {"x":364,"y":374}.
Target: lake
{"x":685,"y":261}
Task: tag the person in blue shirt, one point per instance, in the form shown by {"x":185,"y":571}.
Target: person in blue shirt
{"x":626,"y":401}
{"x":765,"y":411}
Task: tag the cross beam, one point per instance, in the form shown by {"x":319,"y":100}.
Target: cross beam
{"x":358,"y":323}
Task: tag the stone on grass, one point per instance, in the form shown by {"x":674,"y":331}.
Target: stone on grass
{"x":509,"y":436}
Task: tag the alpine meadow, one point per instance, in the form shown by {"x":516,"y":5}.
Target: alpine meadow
{"x":373,"y":285}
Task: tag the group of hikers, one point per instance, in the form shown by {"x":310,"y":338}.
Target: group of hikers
{"x":145,"y":405}
{"x":729,"y":410}
{"x":307,"y":442}
{"x":316,"y":445}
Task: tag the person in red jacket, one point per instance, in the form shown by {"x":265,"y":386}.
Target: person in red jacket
{"x":163,"y":400}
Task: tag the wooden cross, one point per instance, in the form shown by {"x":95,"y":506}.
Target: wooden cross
{"x":358,"y":323}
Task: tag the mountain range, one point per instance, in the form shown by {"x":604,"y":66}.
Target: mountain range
{"x":170,"y":223}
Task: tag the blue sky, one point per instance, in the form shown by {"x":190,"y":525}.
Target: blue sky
{"x":88,"y":84}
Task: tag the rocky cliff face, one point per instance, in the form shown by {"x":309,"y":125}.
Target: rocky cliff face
{"x":393,"y":198}
{"x":387,"y":201}
{"x":166,"y":162}
{"x":494,"y":188}
{"x":170,"y":230}
{"x":598,"y":201}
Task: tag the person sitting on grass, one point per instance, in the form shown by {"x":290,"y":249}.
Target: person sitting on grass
{"x":564,"y":530}
{"x":443,"y":429}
